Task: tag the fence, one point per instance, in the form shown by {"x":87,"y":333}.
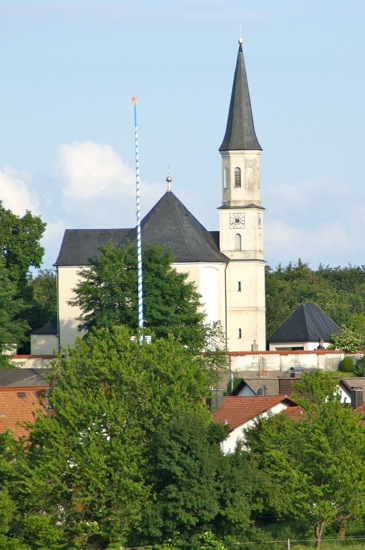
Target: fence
{"x":356,"y":543}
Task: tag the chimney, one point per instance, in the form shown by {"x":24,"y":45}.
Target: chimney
{"x":216,"y":400}
{"x":357,"y":397}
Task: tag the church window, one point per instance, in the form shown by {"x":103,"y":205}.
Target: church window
{"x":239,"y":286}
{"x":238,"y":242}
{"x":239,"y":333}
{"x":237,"y":177}
{"x":226,"y":178}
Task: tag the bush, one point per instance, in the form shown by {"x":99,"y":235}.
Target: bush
{"x":359,"y":367}
{"x":346,"y":365}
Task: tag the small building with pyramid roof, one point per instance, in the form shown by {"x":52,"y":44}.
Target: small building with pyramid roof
{"x":307,"y":328}
{"x":226,"y":265}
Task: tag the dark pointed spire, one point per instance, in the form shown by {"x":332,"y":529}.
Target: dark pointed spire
{"x":240,"y":132}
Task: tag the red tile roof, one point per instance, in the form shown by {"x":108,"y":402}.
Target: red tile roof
{"x":295,"y":413}
{"x":239,"y":409}
{"x":18,"y":405}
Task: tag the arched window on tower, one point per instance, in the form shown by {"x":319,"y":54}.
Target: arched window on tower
{"x":226,"y":177}
{"x":237,"y":177}
{"x":238,"y":242}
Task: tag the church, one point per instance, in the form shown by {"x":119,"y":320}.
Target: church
{"x":227,"y":266}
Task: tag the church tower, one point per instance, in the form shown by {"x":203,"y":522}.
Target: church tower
{"x":241,"y":221}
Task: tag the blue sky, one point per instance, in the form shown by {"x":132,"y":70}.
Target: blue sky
{"x":70,"y":68}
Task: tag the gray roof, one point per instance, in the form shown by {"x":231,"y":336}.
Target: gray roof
{"x":354,"y":382}
{"x":79,"y":245}
{"x":308,"y":323}
{"x":49,"y":328}
{"x":240,"y":132}
{"x":270,"y":386}
{"x":171,"y":224}
{"x":168,"y":223}
{"x":19,"y":377}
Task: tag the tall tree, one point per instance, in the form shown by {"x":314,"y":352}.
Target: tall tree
{"x":13,"y":326}
{"x":87,"y":461}
{"x":316,"y":462}
{"x":107,"y":294}
{"x":19,"y":251}
{"x":20,"y":248}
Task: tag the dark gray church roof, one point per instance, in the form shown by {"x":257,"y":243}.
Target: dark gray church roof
{"x":168,"y":223}
{"x":308,"y":323}
{"x":240,"y":132}
{"x":78,"y":245}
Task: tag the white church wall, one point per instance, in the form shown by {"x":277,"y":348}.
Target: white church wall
{"x":246,"y":306}
{"x":67,"y":280}
{"x":262,"y":363}
{"x":210,"y":284}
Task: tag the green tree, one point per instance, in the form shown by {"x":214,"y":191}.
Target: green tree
{"x":340,"y":292}
{"x":13,"y":326}
{"x":348,"y":340}
{"x":19,"y":251}
{"x":184,"y":470}
{"x":315,"y":462}
{"x":19,"y":243}
{"x":107,"y":294}
{"x":85,"y":464}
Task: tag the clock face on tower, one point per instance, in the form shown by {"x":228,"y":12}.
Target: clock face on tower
{"x":237,"y":221}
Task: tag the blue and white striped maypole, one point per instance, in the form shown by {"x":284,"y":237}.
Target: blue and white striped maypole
{"x":138,"y":211}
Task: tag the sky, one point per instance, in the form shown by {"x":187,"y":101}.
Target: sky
{"x":69,"y":70}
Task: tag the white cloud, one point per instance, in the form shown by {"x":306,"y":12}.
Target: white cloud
{"x":317,"y":220}
{"x":307,"y":194}
{"x":15,"y":193}
{"x":91,"y":169}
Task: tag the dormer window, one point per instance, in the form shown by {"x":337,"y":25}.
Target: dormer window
{"x":237,"y":177}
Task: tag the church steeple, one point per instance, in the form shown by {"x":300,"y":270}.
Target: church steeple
{"x":240,"y":132}
{"x":240,"y":150}
{"x":241,"y":221}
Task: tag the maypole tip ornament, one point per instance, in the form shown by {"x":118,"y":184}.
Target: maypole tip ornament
{"x":134,"y":100}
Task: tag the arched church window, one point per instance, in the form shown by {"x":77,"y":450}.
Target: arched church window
{"x":238,"y":242}
{"x":226,"y":178}
{"x":237,"y":177}
{"x":239,"y":333}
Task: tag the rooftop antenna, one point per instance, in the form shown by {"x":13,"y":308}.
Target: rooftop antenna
{"x":138,"y":212}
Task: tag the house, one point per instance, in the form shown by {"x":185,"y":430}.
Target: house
{"x":19,"y":405}
{"x":352,"y":390}
{"x":307,"y":328}
{"x":226,"y":265}
{"x":256,"y":386}
{"x":279,"y":385}
{"x":241,"y":413}
{"x":44,"y":340}
{"x":22,"y":397}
